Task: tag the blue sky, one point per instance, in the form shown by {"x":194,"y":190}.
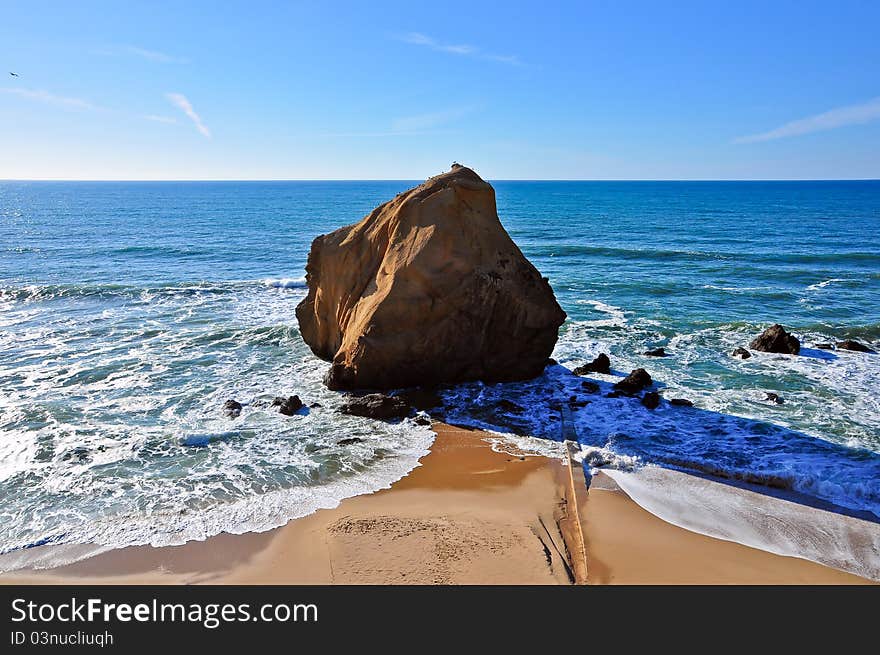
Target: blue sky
{"x":398,"y":90}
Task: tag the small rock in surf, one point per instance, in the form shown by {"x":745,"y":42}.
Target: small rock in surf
{"x":651,"y":400}
{"x":288,"y":406}
{"x":599,"y":365}
{"x":776,"y":340}
{"x":232,"y":408}
{"x":855,"y":346}
{"x":634,"y":382}
{"x":376,"y":406}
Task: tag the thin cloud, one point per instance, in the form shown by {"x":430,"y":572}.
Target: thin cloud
{"x":143,"y":53}
{"x":51,"y":98}
{"x":160,"y":119}
{"x":406,"y":126}
{"x":367,"y":135}
{"x":422,"y":122}
{"x":829,"y":120}
{"x":180,"y":101}
{"x":425,"y":41}
{"x":513,"y":60}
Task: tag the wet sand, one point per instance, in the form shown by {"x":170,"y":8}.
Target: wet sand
{"x":467,"y":515}
{"x":629,"y":545}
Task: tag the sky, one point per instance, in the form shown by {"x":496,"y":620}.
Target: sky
{"x":399,"y":90}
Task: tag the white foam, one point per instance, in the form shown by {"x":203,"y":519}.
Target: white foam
{"x":616,"y":314}
{"x":822,"y":285}
{"x":94,"y":458}
{"x":600,"y":457}
{"x":285,"y":282}
{"x":716,"y":287}
{"x":753,"y":519}
{"x":257,"y":513}
{"x":512,"y":444}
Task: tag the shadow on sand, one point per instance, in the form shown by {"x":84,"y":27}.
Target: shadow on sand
{"x":619,"y":432}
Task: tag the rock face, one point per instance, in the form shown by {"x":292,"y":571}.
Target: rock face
{"x":776,"y":340}
{"x":599,"y":365}
{"x":428,"y":288}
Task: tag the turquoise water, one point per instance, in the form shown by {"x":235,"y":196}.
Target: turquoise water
{"x":129,"y":312}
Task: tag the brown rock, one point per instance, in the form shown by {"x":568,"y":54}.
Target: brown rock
{"x":634,"y":382}
{"x":742,"y":353}
{"x":656,"y":352}
{"x":681,"y":402}
{"x":776,"y":340}
{"x":428,"y":288}
{"x":849,"y":344}
{"x":599,"y":365}
{"x":651,"y":400}
{"x":232,"y":408}
{"x":377,"y":406}
{"x":287,"y":406}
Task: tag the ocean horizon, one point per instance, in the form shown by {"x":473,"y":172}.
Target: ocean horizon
{"x":419,"y":181}
{"x":130,"y":311}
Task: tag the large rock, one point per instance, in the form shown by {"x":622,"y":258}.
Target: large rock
{"x":776,"y":340}
{"x":427,"y":289}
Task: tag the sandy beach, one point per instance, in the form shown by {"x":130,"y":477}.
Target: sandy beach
{"x":468,"y":515}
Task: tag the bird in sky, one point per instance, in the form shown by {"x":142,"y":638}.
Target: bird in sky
{"x":13,"y":74}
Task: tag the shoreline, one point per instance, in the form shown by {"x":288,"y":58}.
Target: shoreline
{"x":468,"y":514}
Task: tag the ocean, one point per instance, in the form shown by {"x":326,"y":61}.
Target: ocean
{"x":130,"y":312}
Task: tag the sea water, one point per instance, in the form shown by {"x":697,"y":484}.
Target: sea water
{"x":130,"y":312}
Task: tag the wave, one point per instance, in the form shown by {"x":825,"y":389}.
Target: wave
{"x":44,"y":292}
{"x":729,"y":289}
{"x":616,"y":314}
{"x":286,"y":282}
{"x":166,"y":251}
{"x":661,"y":254}
{"x":731,"y":433}
{"x":758,"y":520}
{"x":834,"y":280}
{"x":255,"y":513}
